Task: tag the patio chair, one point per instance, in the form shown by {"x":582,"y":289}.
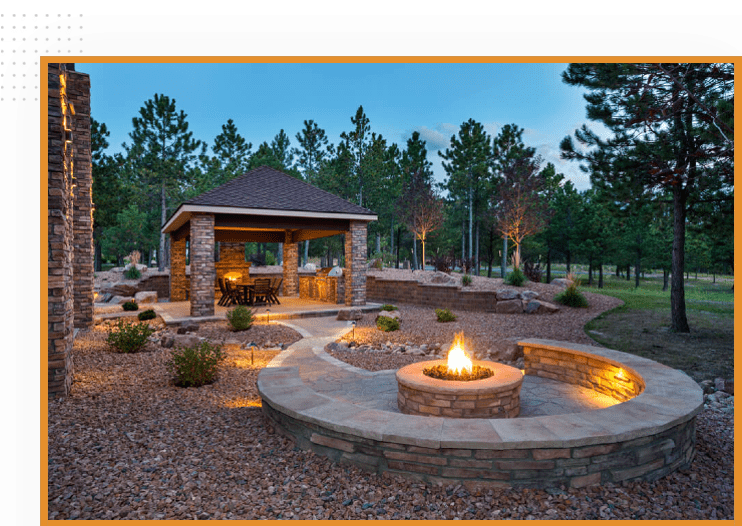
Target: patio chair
{"x":233,"y":295}
{"x":262,"y":291}
{"x":275,"y":287}
{"x":225,"y":296}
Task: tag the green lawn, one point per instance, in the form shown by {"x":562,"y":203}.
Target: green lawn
{"x":642,"y":325}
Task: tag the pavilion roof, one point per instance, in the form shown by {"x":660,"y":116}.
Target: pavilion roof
{"x":267,"y":191}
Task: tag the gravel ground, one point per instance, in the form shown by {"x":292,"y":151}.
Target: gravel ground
{"x":127,"y":444}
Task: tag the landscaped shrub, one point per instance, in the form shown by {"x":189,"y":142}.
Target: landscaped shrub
{"x":132,"y":273}
{"x":444,"y":315}
{"x":131,"y":305}
{"x":387,"y":324}
{"x":466,"y":280}
{"x":570,"y":296}
{"x":195,"y":366}
{"x":148,"y":314}
{"x":516,"y":278}
{"x":387,"y":307}
{"x":270,"y":259}
{"x":129,"y":337}
{"x":240,"y":318}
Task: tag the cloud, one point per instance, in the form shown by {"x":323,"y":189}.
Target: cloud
{"x":438,"y":138}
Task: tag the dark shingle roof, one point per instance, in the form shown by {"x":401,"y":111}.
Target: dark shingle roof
{"x":266,"y":187}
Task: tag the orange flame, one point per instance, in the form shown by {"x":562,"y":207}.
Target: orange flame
{"x":458,"y":360}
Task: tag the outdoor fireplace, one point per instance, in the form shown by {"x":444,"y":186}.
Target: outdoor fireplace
{"x":459,"y":388}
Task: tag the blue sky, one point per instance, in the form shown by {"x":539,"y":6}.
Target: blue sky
{"x":433,"y":99}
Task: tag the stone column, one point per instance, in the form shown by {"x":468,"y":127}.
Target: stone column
{"x":355,"y":264}
{"x":177,"y":269}
{"x":203,"y":270}
{"x":78,"y":93}
{"x":290,"y":266}
{"x":60,"y":304}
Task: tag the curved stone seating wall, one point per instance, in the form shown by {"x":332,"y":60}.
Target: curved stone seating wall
{"x":646,"y":437}
{"x":575,"y":366}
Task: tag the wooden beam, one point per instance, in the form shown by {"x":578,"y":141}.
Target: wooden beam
{"x":247,"y":236}
{"x":303,"y":235}
{"x":183,"y":232}
{"x":282,"y":223}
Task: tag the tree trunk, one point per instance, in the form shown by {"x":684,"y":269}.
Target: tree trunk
{"x":422,"y":242}
{"x":637,"y":270}
{"x":98,"y":257}
{"x":399,"y":235}
{"x":628,"y":272}
{"x":665,"y":279}
{"x":463,"y":243}
{"x":163,"y":217}
{"x":476,"y":254}
{"x":471,"y":225}
{"x":569,"y":261}
{"x":414,"y":252}
{"x":378,"y":243}
{"x":306,"y":252}
{"x":590,"y":272}
{"x":504,"y":263}
{"x":279,"y":255}
{"x":618,"y":271}
{"x":600,"y":276}
{"x":677,"y":291}
{"x":548,"y":264}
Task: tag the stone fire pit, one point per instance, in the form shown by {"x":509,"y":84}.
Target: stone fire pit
{"x":495,"y":397}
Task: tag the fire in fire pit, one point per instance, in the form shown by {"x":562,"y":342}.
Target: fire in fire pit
{"x":459,"y":366}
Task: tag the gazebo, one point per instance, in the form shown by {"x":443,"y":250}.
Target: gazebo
{"x":267,"y":206}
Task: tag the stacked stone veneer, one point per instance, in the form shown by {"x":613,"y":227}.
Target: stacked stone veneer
{"x":69,"y":219}
{"x":645,"y":437}
{"x":588,"y":370}
{"x":330,"y":289}
{"x":429,"y":295}
{"x":495,"y":397}
{"x":290,"y":266}
{"x":231,"y":259}
{"x":203,"y":270}
{"x":355,"y":264}
{"x":178,"y":285}
{"x":647,"y":457}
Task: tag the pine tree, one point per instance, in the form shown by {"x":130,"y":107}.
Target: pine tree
{"x":314,"y":151}
{"x":357,"y":144}
{"x":162,"y":152}
{"x":468,"y":169}
{"x":674,"y":122}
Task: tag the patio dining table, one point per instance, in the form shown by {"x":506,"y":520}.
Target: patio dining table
{"x":247,"y":291}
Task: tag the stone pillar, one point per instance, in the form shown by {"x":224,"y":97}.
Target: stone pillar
{"x":203,"y":270}
{"x":78,"y":93}
{"x":177,"y":269}
{"x":355,"y":264}
{"x":60,"y":305}
{"x":290,"y":266}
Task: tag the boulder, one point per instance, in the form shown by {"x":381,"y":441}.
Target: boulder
{"x":507,"y":294}
{"x":121,"y":289}
{"x":506,"y":350}
{"x":394,"y":314}
{"x":527,"y":295}
{"x":147,"y":296}
{"x":311,"y":267}
{"x":187,"y":340}
{"x":441,"y":278}
{"x":120,"y":300}
{"x":562,"y":282}
{"x":707,"y":386}
{"x":167,"y":340}
{"x":719,"y":384}
{"x":540,"y":307}
{"x":509,"y":307}
{"x":350,"y":314}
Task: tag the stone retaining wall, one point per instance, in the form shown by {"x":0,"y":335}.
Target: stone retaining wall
{"x":429,"y":295}
{"x":646,"y":458}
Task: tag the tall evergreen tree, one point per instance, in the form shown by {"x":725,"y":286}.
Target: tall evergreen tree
{"x":162,"y":152}
{"x":357,"y":142}
{"x":675,"y":122}
{"x":468,"y":169}
{"x":313,"y":151}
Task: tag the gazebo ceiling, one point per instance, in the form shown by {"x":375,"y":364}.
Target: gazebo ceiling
{"x":263,"y":204}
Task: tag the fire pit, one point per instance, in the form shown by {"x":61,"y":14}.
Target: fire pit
{"x":459,"y":388}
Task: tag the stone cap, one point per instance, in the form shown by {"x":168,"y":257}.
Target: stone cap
{"x":504,"y":379}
